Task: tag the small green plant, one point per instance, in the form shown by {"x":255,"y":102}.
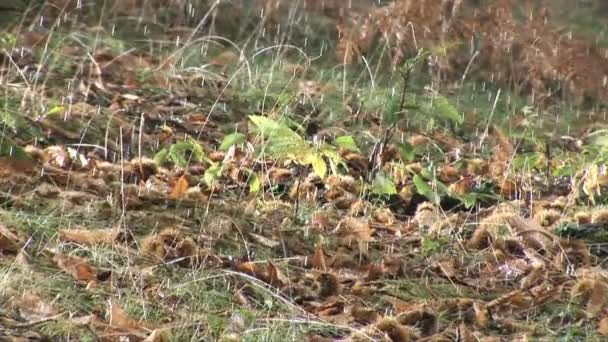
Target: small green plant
{"x":180,"y":153}
{"x":383,"y":185}
{"x":231,"y":140}
{"x":433,"y":244}
{"x":280,"y":141}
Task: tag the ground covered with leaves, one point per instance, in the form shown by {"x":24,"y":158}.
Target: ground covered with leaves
{"x":389,"y":171}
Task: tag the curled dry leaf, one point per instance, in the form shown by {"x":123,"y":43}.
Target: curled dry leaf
{"x":89,"y":237}
{"x":10,"y":242}
{"x":268,"y":272}
{"x":318,"y":259}
{"x":179,"y":189}
{"x":120,"y":319}
{"x":78,"y":267}
{"x":274,"y":276}
{"x":31,"y":307}
{"x":602,"y":327}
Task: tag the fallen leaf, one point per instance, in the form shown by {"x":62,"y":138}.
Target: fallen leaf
{"x":78,"y":267}
{"x":180,"y":188}
{"x":120,"y":319}
{"x":274,"y":276}
{"x":88,"y":237}
{"x":318,"y":259}
{"x":10,"y":242}
{"x":31,"y":307}
{"x":602,"y":327}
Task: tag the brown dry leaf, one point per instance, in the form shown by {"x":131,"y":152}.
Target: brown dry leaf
{"x":318,"y":259}
{"x":10,"y":166}
{"x":334,"y":311}
{"x":88,"y":237}
{"x":78,"y":267}
{"x":10,"y":242}
{"x":602,"y":327}
{"x":120,"y":319}
{"x":274,"y":276}
{"x":180,"y":188}
{"x":31,"y":307}
{"x":249,"y":267}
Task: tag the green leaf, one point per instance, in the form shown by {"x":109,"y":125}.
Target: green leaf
{"x":280,"y":140}
{"x":446,"y":110}
{"x":232,"y":139}
{"x":176,"y":153}
{"x":425,"y":190}
{"x":273,"y":129}
{"x":318,"y":164}
{"x":347,"y":142}
{"x":469,"y":200}
{"x":213,"y":173}
{"x":407,"y":151}
{"x":254,"y":183}
{"x":383,"y":185}
{"x":432,"y":245}
{"x":56,"y":110}
{"x":10,"y":149}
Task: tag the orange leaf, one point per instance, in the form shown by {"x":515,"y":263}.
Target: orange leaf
{"x":88,"y":237}
{"x":77,"y":267}
{"x":318,"y":259}
{"x":10,"y":242}
{"x":120,"y":319}
{"x":275,"y":277}
{"x":180,"y":188}
{"x":602,"y":327}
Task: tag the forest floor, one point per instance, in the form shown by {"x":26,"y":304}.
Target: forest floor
{"x":171,"y":184}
